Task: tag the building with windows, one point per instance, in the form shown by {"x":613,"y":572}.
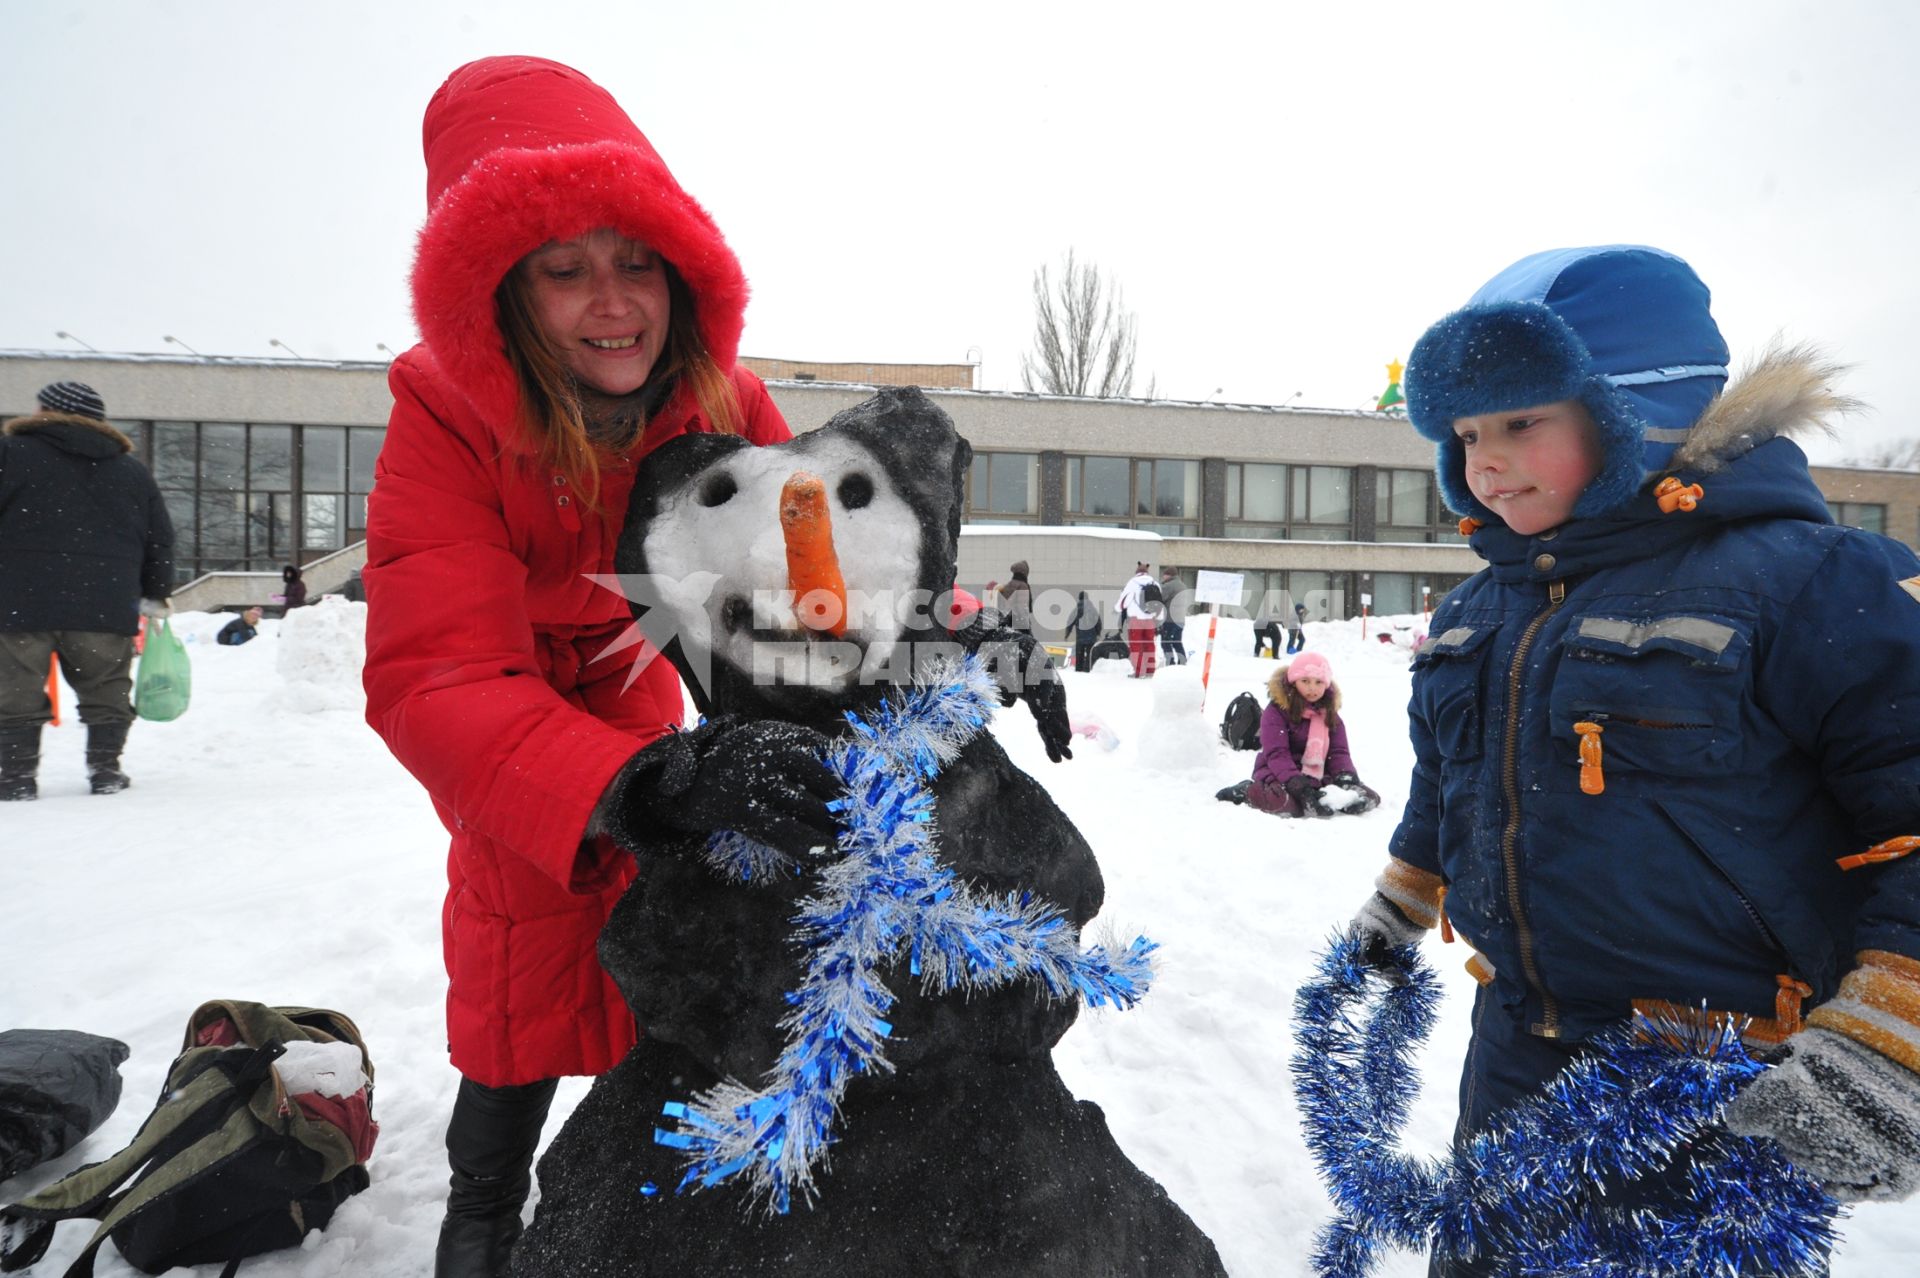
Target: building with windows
{"x":265,"y":462}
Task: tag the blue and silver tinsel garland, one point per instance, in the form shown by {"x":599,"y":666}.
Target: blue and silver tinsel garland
{"x":1529,"y":1194}
{"x":884,"y":897}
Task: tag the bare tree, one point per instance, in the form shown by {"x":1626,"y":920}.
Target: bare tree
{"x":1894,"y":454}
{"x":1084,"y":337}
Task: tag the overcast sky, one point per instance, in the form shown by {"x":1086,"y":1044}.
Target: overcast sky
{"x":1288,"y":193}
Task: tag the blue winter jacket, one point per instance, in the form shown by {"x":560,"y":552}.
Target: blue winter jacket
{"x":1755,"y":673}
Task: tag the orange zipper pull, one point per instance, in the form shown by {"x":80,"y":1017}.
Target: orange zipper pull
{"x":1446,"y":927}
{"x":1891,"y":850}
{"x":1469,"y":525}
{"x":1591,"y":780}
{"x":1674,"y":495}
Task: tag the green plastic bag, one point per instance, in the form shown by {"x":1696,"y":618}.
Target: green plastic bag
{"x":165,"y":682}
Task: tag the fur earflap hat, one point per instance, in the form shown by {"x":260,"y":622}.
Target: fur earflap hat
{"x":1309,"y":665}
{"x":1623,"y":329}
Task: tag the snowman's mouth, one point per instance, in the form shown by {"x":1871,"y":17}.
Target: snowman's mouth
{"x":737,"y":616}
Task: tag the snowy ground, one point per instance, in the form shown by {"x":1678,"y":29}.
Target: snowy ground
{"x":272,"y":850}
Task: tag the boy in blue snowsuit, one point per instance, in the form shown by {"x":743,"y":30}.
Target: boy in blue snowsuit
{"x":1667,"y":744}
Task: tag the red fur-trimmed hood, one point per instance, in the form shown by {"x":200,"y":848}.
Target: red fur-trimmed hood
{"x":521,"y":151}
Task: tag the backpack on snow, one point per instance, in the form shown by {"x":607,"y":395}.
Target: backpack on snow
{"x":233,"y":1161}
{"x":1240,"y":726}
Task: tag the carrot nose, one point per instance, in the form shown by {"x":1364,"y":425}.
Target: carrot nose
{"x":813,"y":569}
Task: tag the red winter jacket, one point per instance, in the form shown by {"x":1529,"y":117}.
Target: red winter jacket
{"x":482,"y":626}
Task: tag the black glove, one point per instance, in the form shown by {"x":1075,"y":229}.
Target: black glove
{"x":1301,"y":786}
{"x":1024,"y":672}
{"x":760,"y":777}
{"x":1842,"y":1113}
{"x":1382,"y":929}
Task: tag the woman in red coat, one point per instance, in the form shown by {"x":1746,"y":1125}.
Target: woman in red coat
{"x":576,"y":309}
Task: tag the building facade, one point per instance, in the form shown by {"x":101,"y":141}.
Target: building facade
{"x":265,"y":462}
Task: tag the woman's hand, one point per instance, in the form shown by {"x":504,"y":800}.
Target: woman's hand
{"x":762,"y":778}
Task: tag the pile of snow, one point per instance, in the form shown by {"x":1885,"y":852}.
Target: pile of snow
{"x":321,"y":650}
{"x":285,"y":857}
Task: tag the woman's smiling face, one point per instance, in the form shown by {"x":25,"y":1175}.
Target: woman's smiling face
{"x":602,"y":301}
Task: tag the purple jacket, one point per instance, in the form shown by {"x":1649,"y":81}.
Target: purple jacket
{"x":1283,"y":741}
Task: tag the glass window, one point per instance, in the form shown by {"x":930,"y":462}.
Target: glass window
{"x":1400,"y":500}
{"x":223,"y":525}
{"x":1865,"y":515}
{"x":1314,"y":591}
{"x":1322,"y":495}
{"x":1013,"y":481}
{"x":1169,"y":489}
{"x":1101,"y":487}
{"x":363,"y":447}
{"x":1393,"y":593}
{"x":270,"y":527}
{"x":1265,"y":489}
{"x":180,"y":509}
{"x":223,"y":457}
{"x":176,"y":458}
{"x":270,"y":463}
{"x":322,"y":529}
{"x":323,"y":459}
{"x":136,"y":433}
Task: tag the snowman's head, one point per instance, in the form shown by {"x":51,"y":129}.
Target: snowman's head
{"x":800,"y":579}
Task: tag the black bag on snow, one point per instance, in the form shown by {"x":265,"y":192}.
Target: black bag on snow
{"x":1240,"y":726}
{"x":226,"y":1167}
{"x":56,"y":1088}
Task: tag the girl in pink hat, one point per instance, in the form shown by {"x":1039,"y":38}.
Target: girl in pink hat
{"x":1303,"y":748}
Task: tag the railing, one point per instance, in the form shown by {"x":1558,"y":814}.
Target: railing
{"x":213,"y":591}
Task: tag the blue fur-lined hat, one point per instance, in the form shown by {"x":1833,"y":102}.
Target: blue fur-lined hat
{"x":1622,"y":328}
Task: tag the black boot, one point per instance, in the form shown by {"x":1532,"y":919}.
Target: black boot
{"x":19,"y":763}
{"x":490,"y":1144}
{"x":1235,"y":793}
{"x":105,"y":741}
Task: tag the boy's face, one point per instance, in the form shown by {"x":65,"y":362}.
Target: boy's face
{"x":1530,"y":465}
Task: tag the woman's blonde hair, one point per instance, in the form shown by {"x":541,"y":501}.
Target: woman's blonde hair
{"x":550,"y":405}
{"x":1283,"y":694}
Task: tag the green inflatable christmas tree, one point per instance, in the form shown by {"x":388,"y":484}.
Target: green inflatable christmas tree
{"x":1391,"y":398}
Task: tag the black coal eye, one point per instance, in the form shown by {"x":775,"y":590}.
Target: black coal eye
{"x":856,"y":491}
{"x":718,"y":490}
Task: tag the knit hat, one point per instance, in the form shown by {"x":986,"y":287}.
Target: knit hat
{"x":77,"y":398}
{"x":1623,"y":329}
{"x":1309,"y":665}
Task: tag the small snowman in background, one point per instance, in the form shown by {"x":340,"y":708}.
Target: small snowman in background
{"x":1177,"y":736}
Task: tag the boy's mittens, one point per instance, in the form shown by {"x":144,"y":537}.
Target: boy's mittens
{"x":1384,"y":929}
{"x":1842,"y":1113}
{"x":759,"y":777}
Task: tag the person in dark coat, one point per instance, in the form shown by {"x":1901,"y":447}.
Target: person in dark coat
{"x":293,"y":590}
{"x":1084,"y":626}
{"x":240,"y":630}
{"x":1016,"y":599}
{"x":1173,"y":622}
{"x":86,"y":547}
{"x":1666,"y":756}
{"x":1303,"y":749}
